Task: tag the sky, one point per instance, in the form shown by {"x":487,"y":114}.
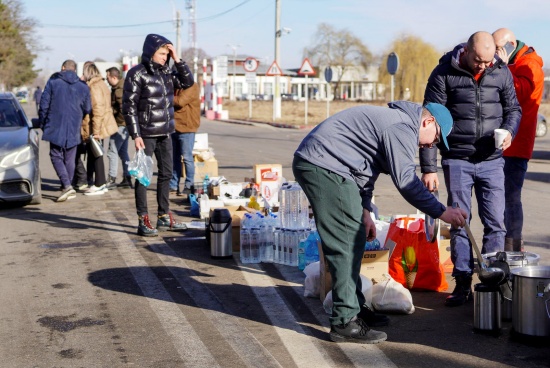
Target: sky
{"x":85,"y":30}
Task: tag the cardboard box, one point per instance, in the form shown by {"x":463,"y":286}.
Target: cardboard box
{"x":201,"y":142}
{"x":373,"y":265}
{"x":270,"y":178}
{"x":203,"y":168}
{"x":444,"y":246}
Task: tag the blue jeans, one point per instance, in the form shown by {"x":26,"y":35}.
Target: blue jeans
{"x":487,"y":180}
{"x":182,"y":144}
{"x":118,"y":147}
{"x":515,"y":169}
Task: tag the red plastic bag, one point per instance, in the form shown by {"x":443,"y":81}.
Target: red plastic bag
{"x":414,"y":262}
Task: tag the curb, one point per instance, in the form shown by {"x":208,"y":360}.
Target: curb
{"x":276,"y":125}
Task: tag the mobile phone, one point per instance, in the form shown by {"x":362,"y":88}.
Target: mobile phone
{"x":509,"y":48}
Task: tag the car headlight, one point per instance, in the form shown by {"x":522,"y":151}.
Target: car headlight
{"x":16,"y":158}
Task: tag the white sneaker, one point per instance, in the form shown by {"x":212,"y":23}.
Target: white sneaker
{"x":68,"y":193}
{"x":93,"y":190}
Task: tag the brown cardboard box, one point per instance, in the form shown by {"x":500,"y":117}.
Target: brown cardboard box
{"x":203,"y":168}
{"x":373,"y":265}
{"x":444,"y":246}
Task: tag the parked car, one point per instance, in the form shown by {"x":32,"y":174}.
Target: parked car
{"x":289,"y":97}
{"x":19,"y":154}
{"x":22,"y":96}
{"x":541,"y":126}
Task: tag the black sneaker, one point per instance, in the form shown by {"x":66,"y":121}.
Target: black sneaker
{"x":356,"y":331}
{"x":373,"y":319}
{"x":111,"y":183}
{"x":126,"y":182}
{"x":145,"y":228}
{"x":167,"y":222}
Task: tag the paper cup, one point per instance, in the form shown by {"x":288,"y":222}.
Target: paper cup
{"x":500,"y":134}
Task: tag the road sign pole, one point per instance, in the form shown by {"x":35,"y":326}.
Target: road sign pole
{"x":307,"y":97}
{"x":328,"y":100}
{"x":392,"y":87}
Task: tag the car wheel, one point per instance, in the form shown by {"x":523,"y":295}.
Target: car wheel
{"x":541,"y":129}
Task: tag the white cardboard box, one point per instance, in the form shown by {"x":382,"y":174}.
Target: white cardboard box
{"x":201,"y":142}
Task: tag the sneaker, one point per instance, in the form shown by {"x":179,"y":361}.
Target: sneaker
{"x":126,"y":182}
{"x":81,"y":187}
{"x":93,"y":190}
{"x":173,"y":190}
{"x":167,"y":222}
{"x":371,"y":318}
{"x":145,"y":228}
{"x":111,"y":183}
{"x":356,"y":331}
{"x":66,"y":194}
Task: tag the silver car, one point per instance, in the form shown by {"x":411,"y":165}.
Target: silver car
{"x":541,"y":126}
{"x":19,"y":146}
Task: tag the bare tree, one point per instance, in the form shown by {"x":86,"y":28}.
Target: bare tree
{"x":189,"y":53}
{"x":17,"y":45}
{"x":417,"y":59}
{"x":338,"y":48}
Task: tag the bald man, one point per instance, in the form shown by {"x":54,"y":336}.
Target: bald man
{"x":478,"y":90}
{"x":526,"y":68}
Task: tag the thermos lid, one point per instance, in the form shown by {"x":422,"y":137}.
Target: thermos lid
{"x":483,"y":288}
{"x":220,"y":215}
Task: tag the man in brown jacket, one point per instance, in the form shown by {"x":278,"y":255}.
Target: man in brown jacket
{"x":118,"y":142}
{"x":187,"y":116}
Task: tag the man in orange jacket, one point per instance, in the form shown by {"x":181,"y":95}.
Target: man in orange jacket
{"x":526,"y":68}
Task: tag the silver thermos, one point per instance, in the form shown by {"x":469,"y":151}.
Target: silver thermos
{"x":487,"y":304}
{"x":220,"y":233}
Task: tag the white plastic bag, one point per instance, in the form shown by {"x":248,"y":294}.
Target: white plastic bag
{"x":366,"y":288}
{"x":141,"y":167}
{"x":391,"y":296}
{"x":311,"y":283}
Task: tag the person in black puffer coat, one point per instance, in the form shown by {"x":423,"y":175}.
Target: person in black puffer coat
{"x":148,"y":110}
{"x":478,"y":89}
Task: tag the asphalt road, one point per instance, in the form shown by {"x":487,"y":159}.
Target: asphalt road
{"x":80,"y":289}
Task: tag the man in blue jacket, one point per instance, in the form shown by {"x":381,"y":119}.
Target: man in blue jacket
{"x":478,"y":89}
{"x":337,"y":165}
{"x":63,"y":104}
{"x":148,"y":110}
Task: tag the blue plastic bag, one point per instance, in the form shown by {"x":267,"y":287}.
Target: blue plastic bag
{"x":141,"y":167}
{"x":195,"y":207}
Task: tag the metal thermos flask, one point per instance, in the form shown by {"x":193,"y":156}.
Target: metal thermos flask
{"x":487,"y":303}
{"x":220,"y":234}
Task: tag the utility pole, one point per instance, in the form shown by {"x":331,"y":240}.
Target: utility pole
{"x":191,"y":7}
{"x":278,"y":34}
{"x":178,"y":42}
{"x":232,"y":91}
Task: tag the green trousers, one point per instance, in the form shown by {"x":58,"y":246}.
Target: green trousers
{"x":336,"y":205}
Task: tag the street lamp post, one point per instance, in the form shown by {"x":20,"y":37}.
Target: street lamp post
{"x":232,"y":92}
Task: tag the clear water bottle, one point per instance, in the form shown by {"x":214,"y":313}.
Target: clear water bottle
{"x":255,"y":241}
{"x":245,"y":238}
{"x":276,"y":244}
{"x":269,"y":239}
{"x":283,"y":204}
{"x":303,"y":209}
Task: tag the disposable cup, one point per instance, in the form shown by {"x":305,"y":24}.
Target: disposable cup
{"x":500,"y":134}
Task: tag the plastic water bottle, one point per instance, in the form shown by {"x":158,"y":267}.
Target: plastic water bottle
{"x":276,"y":244}
{"x":255,"y":240}
{"x":269,"y":239}
{"x":302,"y":255}
{"x":312,"y":249}
{"x":205,"y":184}
{"x":245,"y":238}
{"x":372,"y":245}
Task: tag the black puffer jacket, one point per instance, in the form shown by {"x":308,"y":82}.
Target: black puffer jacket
{"x":477,"y":109}
{"x":147,"y":101}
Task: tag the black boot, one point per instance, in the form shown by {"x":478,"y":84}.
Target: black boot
{"x":371,"y":318}
{"x":462,"y":292}
{"x":111,"y":183}
{"x":126,"y":182}
{"x":145,"y":228}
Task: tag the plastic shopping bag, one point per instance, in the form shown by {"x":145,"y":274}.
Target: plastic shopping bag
{"x":366,"y":288}
{"x":311,"y":283}
{"x":391,"y":296}
{"x":414,"y":262}
{"x":141,"y":167}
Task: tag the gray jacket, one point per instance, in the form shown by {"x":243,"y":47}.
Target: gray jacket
{"x":362,"y":142}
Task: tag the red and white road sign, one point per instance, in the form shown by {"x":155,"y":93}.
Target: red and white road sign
{"x":306,"y":68}
{"x":274,"y":69}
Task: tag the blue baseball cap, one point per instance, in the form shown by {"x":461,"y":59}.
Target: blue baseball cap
{"x":443,"y":118}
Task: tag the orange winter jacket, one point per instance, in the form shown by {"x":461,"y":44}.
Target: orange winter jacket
{"x":526,"y":68}
{"x":187,"y":109}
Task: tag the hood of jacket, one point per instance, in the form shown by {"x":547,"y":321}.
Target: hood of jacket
{"x":453,"y":58}
{"x":68,"y":76}
{"x":152,"y":43}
